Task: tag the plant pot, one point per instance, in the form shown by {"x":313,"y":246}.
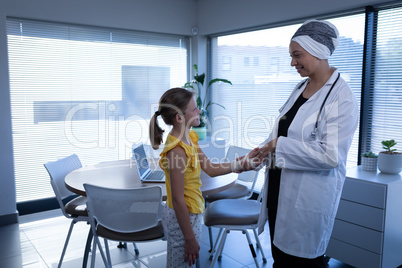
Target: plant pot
{"x":369,"y":163}
{"x":390,"y":163}
{"x":201,"y":132}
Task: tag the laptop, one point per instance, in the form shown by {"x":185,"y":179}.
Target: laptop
{"x":141,"y":162}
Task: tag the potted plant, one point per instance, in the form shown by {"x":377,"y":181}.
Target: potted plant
{"x":202,"y":103}
{"x":389,"y":161}
{"x":369,"y":161}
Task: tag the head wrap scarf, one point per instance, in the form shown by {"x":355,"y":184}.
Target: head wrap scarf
{"x":319,"y":38}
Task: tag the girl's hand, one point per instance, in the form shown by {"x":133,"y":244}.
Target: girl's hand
{"x":252,"y":160}
{"x":191,"y":251}
{"x":237,"y":168}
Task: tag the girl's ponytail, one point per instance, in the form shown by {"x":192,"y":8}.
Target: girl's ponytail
{"x":155,"y":132}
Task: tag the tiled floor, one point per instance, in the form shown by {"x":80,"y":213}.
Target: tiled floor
{"x":38,"y":239}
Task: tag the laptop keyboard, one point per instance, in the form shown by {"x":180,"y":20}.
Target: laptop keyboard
{"x":157,"y":175}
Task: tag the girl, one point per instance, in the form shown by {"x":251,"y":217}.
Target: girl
{"x":182,"y":161}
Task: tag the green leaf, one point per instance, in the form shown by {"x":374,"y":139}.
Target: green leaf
{"x":388,"y":144}
{"x":199,"y":103}
{"x":218,"y":80}
{"x":370,"y":154}
{"x":200,"y":78}
{"x":188,"y":85}
{"x":197,"y":84}
{"x":210,"y":103}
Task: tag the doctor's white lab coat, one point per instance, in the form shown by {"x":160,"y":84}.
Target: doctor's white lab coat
{"x":313,"y":168}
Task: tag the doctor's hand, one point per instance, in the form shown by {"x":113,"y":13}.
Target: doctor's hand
{"x":250,"y":161}
{"x":267,"y":149}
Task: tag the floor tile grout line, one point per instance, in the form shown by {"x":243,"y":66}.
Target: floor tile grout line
{"x":36,"y":250}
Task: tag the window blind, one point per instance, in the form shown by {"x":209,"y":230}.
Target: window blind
{"x":83,"y":90}
{"x":258,"y":65}
{"x":386,"y":100}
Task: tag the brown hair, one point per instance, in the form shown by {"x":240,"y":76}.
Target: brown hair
{"x":172,"y":102}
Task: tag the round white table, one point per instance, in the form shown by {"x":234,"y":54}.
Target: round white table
{"x":122,"y":174}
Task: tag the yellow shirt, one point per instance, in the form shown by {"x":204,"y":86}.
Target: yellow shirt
{"x":192,"y":182}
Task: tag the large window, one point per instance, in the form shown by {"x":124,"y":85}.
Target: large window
{"x":259,"y":90}
{"x":83,"y":90}
{"x":385,"y":99}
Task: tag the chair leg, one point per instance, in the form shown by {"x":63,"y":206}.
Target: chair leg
{"x":66,"y":243}
{"x":250,"y":244}
{"x":136,"y":249}
{"x":97,"y":243}
{"x":93,"y":252}
{"x":259,"y":245}
{"x":122,"y":245}
{"x":223,"y":241}
{"x":211,"y":239}
{"x":219,"y":248}
{"x":109,"y":259}
{"x":211,"y":255}
{"x":87,"y":249}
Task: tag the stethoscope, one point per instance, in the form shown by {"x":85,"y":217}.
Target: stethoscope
{"x":314,"y":132}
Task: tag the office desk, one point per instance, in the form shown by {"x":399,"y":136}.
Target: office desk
{"x":123,"y":174}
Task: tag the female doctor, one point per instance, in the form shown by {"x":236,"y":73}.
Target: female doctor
{"x":307,"y":152}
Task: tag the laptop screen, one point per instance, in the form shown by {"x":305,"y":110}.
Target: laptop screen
{"x":141,"y":159}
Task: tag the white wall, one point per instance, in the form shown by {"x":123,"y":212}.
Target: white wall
{"x":167,"y":16}
{"x":217,"y":16}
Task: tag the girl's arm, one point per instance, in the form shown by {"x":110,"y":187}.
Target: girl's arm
{"x":177,"y":162}
{"x":217,"y":169}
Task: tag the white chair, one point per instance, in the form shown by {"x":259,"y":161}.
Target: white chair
{"x":234,"y":215}
{"x":128,"y":215}
{"x":243,"y":188}
{"x":73,"y":207}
